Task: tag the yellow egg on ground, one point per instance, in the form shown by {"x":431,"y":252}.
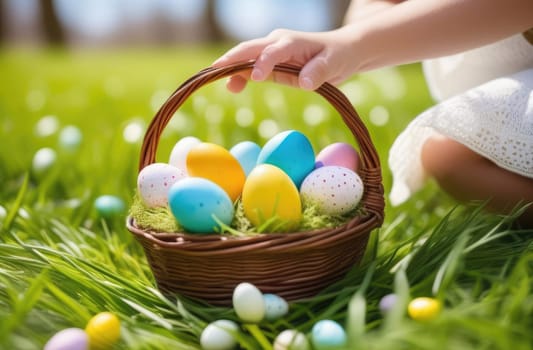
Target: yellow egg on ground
{"x":103,"y":331}
{"x":270,"y":195}
{"x":424,"y":308}
{"x":215,"y":163}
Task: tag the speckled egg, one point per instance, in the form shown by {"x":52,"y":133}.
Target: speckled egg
{"x":335,"y":190}
{"x":424,"y":308}
{"x":68,"y":339}
{"x":198,"y":203}
{"x":328,"y":334}
{"x":290,"y":151}
{"x":270,"y":193}
{"x":154,"y":182}
{"x":103,"y":330}
{"x":218,"y":335}
{"x":215,"y":163}
{"x":178,"y":155}
{"x":339,"y":154}
{"x":246,"y":153}
{"x":275,"y":306}
{"x":248,"y":303}
{"x":291,"y":339}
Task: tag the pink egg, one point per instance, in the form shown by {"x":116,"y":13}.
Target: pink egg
{"x":339,"y":154}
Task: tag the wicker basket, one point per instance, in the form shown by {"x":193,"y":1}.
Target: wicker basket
{"x":293,"y":265}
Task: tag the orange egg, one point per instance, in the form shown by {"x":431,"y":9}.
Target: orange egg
{"x":268,"y":194}
{"x":215,"y":163}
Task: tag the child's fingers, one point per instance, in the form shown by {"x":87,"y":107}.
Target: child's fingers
{"x":277,"y":52}
{"x":314,"y":73}
{"x":236,"y":83}
{"x":244,"y":51}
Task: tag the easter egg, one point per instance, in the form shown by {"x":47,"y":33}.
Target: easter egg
{"x":387,"y":302}
{"x":103,"y":330}
{"x":328,"y":334}
{"x":339,"y":154}
{"x":248,"y":303}
{"x":218,"y":335}
{"x":290,"y":151}
{"x":335,"y":190}
{"x":424,"y":308}
{"x":291,"y":339}
{"x":214,"y":162}
{"x":70,"y":137}
{"x":196,"y":202}
{"x":109,"y":206}
{"x":178,"y":155}
{"x":269,"y":192}
{"x":246,"y":153}
{"x":68,"y":339}
{"x":43,"y":160}
{"x":275,"y":306}
{"x":154,"y":182}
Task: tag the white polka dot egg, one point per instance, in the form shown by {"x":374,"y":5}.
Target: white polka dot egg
{"x":154,"y":182}
{"x":334,"y":189}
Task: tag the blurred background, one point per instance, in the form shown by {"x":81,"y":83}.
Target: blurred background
{"x":101,"y":23}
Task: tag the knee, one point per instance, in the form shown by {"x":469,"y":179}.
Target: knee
{"x":444,"y":158}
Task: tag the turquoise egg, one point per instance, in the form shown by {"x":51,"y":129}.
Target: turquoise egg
{"x":292,"y":152}
{"x":195,"y":203}
{"x":328,"y":334}
{"x":109,"y":206}
{"x":275,"y":306}
{"x":246,"y":153}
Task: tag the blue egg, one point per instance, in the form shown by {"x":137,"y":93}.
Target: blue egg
{"x":275,"y":306}
{"x":246,"y":153}
{"x":109,"y":206}
{"x":290,"y":151}
{"x":196,"y":202}
{"x":328,"y":334}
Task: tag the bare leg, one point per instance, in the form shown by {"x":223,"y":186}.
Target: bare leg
{"x":466,"y":176}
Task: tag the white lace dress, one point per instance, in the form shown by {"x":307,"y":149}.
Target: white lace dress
{"x":486,"y":103}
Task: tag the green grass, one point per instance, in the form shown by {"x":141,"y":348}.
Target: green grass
{"x":60,"y":263}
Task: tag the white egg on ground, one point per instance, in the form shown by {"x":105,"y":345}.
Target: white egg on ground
{"x":248,"y":303}
{"x":70,"y":138}
{"x":154,"y":182}
{"x":335,"y":190}
{"x":43,"y":160}
{"x":178,"y":155}
{"x":68,"y":339}
{"x":291,"y":339}
{"x":275,"y":306}
{"x":219,"y":335}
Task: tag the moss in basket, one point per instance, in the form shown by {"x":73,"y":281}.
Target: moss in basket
{"x":162,"y":220}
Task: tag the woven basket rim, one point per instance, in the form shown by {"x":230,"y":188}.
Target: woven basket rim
{"x":370,"y":172}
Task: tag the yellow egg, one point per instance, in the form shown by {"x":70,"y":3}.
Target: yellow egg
{"x":215,"y":163}
{"x":103,"y":331}
{"x":424,"y":309}
{"x":269,"y":192}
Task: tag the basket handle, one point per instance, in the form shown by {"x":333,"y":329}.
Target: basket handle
{"x":370,"y":165}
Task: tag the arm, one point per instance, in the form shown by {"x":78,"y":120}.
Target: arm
{"x":390,"y":35}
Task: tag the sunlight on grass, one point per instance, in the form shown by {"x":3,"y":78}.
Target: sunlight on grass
{"x":60,"y":263}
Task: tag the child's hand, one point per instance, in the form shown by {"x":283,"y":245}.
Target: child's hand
{"x":319,"y":54}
